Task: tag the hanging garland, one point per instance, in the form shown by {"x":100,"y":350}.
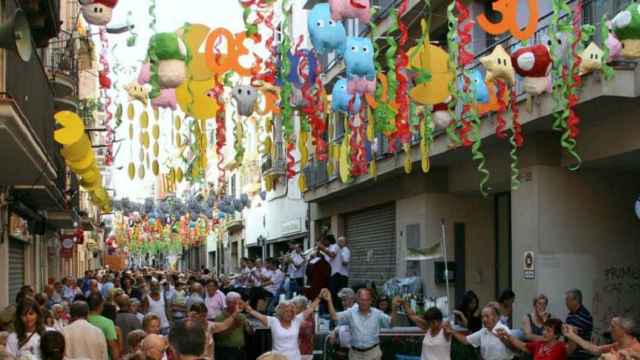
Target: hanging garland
{"x":383,"y":111}
{"x":452,"y":45}
{"x":287,"y":90}
{"x":104,"y":95}
{"x":403,"y":129}
{"x":471,"y":123}
{"x":607,"y":70}
{"x":392,"y":82}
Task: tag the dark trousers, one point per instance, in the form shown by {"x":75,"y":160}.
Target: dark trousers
{"x":227,"y":353}
{"x":337,"y":283}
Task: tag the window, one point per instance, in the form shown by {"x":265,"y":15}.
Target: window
{"x":413,"y":242}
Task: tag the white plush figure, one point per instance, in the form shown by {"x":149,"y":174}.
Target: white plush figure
{"x":98,"y":12}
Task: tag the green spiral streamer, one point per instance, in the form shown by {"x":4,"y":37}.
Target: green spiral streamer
{"x":238,"y":143}
{"x":515,"y":172}
{"x":560,"y":87}
{"x":423,"y":76}
{"x":152,"y":14}
{"x":132,"y":39}
{"x":154,"y":61}
{"x":453,"y":47}
{"x":287,"y":88}
{"x":607,"y":70}
{"x":383,"y":114}
{"x":390,"y":56}
{"x":472,"y":116}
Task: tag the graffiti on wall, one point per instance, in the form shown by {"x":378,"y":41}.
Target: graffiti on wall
{"x":617,"y":294}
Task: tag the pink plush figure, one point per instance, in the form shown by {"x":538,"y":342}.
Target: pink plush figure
{"x":166,"y":99}
{"x":614,"y":45}
{"x":145,"y":74}
{"x":359,"y":9}
{"x":360,"y":86}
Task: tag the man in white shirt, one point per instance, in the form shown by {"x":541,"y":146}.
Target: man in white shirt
{"x":295,"y":269}
{"x":339,"y":256}
{"x":272,"y":282}
{"x":487,"y":339}
{"x":83,"y":340}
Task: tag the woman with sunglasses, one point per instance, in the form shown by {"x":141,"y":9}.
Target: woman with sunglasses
{"x":29,"y":326}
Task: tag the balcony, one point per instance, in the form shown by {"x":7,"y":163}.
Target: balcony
{"x":596,"y":94}
{"x":62,"y":69}
{"x":234,"y":222}
{"x":44,"y":18}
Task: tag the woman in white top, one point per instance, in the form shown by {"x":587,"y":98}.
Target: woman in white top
{"x":28,"y":325}
{"x":437,"y":342}
{"x":285,"y":328}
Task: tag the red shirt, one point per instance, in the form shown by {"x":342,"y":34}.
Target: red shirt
{"x":540,"y":351}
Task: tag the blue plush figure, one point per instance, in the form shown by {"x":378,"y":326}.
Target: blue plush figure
{"x":358,"y":58}
{"x":340,"y":98}
{"x":481,"y":92}
{"x":326,"y":34}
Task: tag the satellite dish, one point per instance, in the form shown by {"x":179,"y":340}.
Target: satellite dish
{"x":15,"y":35}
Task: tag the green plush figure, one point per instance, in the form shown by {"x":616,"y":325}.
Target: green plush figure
{"x":167,"y":56}
{"x":626,"y":26}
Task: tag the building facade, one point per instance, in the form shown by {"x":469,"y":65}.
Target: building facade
{"x":579,"y":226}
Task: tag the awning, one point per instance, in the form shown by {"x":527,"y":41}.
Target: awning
{"x":287,"y":238}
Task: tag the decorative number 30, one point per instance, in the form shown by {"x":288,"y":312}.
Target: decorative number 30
{"x":509,"y":22}
{"x":221,"y":63}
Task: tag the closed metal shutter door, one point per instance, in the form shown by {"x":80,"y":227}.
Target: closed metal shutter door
{"x":371,"y":237}
{"x":16,"y":268}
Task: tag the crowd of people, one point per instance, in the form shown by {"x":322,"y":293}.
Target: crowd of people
{"x":155,"y":315}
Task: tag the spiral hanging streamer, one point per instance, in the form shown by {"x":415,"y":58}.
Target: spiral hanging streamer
{"x":501,"y":123}
{"x":452,"y":45}
{"x":392,"y":80}
{"x":607,"y":70}
{"x":402,"y":92}
{"x":574,"y":82}
{"x":287,"y":90}
{"x":383,"y":114}
{"x":314,"y":106}
{"x":152,"y":14}
{"x":105,"y":98}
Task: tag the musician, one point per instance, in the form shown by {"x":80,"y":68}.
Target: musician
{"x":295,"y":268}
{"x":339,"y":256}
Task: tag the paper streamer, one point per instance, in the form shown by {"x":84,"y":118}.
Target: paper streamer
{"x":574,"y":84}
{"x":383,"y":114}
{"x":453,"y":47}
{"x":392,"y":80}
{"x":105,"y":98}
{"x":314,"y":106}
{"x":607,"y":70}
{"x":402,"y":92}
{"x":152,"y":14}
{"x":287,"y":90}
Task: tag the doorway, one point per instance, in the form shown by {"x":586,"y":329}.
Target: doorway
{"x":503,"y":242}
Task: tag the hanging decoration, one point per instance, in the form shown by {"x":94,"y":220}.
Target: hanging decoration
{"x":97,"y":12}
{"x":455,"y":91}
{"x":403,"y":128}
{"x":137,"y":92}
{"x":591,"y":59}
{"x":105,"y":99}
{"x":327,"y":35}
{"x":246,"y":97}
{"x":626,"y":26}
{"x":342,"y":100}
{"x":611,"y":49}
{"x":79,"y":156}
{"x":286,"y":91}
{"x":509,"y":11}
{"x":351,"y":9}
{"x":534,"y":64}
{"x":166,"y":56}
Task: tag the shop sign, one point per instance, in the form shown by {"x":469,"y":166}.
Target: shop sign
{"x":68,"y":242}
{"x":529,"y":265}
{"x":19,"y":228}
{"x":292,"y":226}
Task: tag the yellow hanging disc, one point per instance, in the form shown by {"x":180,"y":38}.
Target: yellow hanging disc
{"x":156,"y":149}
{"x":130,"y":131}
{"x":141,"y":171}
{"x":177,"y":122}
{"x":144,"y":120}
{"x":131,"y":111}
{"x":71,"y":128}
{"x":132,"y":171}
{"x":155,"y":167}
{"x":156,"y":131}
{"x":179,"y":175}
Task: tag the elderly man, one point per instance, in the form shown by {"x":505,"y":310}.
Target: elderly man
{"x":624,"y":340}
{"x":196,"y":295}
{"x":230,"y":344}
{"x":59,"y":317}
{"x":83,"y":340}
{"x":155,"y":347}
{"x":580,"y":318}
{"x":214,"y":300}
{"x":487,"y":338}
{"x":365,"y":323}
{"x":125,"y":319}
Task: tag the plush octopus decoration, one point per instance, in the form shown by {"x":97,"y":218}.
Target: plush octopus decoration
{"x":167,"y":55}
{"x":626,"y":26}
{"x":351,"y":9}
{"x":327,"y":35}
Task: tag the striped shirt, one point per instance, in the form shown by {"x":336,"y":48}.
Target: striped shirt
{"x":583,"y":322}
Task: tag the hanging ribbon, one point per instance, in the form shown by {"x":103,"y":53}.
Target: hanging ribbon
{"x":313,"y":105}
{"x":572,"y":129}
{"x":402,"y":92}
{"x":152,"y":14}
{"x":452,"y":45}
{"x":607,"y":70}
{"x":383,"y":112}
{"x":392,"y":79}
{"x":287,"y":90}
{"x":501,"y":123}
{"x":104,"y":96}
{"x":516,"y":140}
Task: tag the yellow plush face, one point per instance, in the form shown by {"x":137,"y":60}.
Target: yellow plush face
{"x":499,"y":67}
{"x":631,"y":49}
{"x":591,"y":59}
{"x":137,"y":92}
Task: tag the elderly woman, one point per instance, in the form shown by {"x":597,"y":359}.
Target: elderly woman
{"x":285,"y":328}
{"x":60,"y":318}
{"x":436,"y":344}
{"x":622,"y":334}
{"x":549,"y":347}
{"x":533,"y":323}
{"x":307,"y":329}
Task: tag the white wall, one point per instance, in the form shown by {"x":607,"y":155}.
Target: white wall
{"x":585,"y":235}
{"x":283,"y":205}
{"x":253,"y":224}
